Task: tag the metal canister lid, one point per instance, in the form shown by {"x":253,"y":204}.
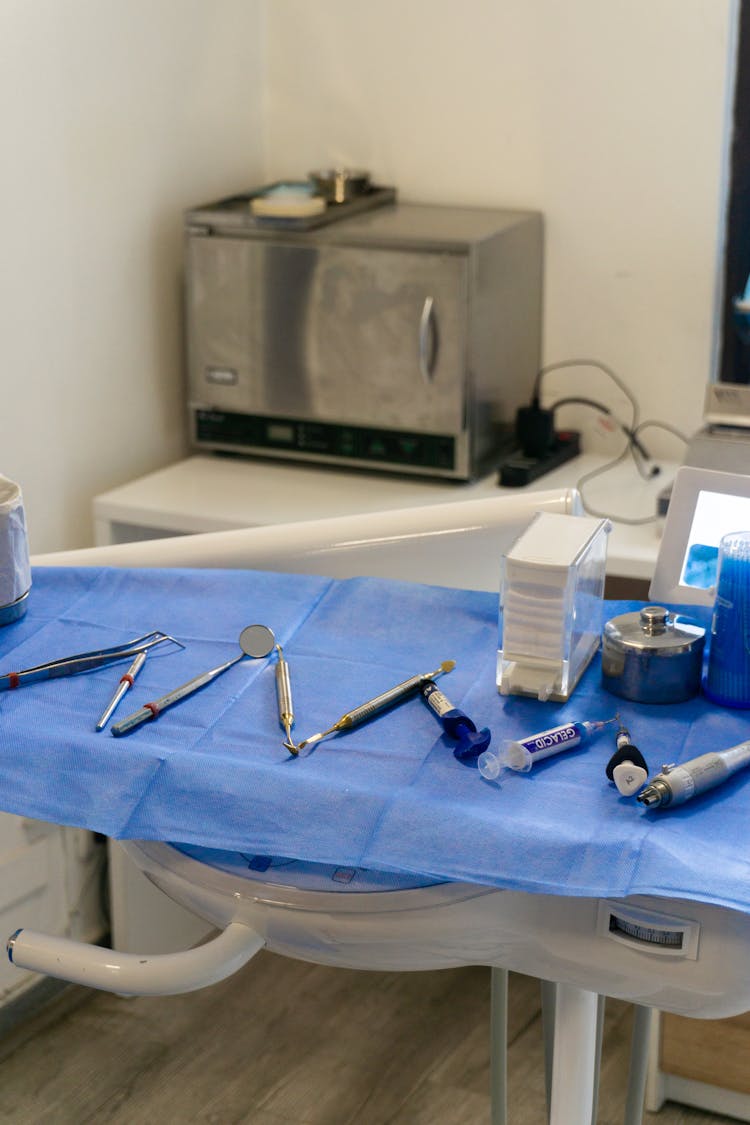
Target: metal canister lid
{"x":652,"y":656}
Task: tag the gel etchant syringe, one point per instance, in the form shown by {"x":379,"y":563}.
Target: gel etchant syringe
{"x":677,"y":784}
{"x":520,"y":754}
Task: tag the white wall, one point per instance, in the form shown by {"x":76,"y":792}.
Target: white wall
{"x":606,"y":116}
{"x":115,"y":116}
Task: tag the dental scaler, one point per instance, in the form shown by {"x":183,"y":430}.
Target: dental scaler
{"x":373,"y":706}
{"x":457,"y":725}
{"x":520,"y":754}
{"x":677,"y":784}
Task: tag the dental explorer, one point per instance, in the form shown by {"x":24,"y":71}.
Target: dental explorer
{"x":255,"y":641}
{"x":284,"y":698}
{"x":677,"y":784}
{"x":126,"y":682}
{"x":373,"y":706}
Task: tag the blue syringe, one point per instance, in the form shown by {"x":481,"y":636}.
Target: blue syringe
{"x":520,"y":754}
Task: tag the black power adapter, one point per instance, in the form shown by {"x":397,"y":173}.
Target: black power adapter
{"x":541,"y":447}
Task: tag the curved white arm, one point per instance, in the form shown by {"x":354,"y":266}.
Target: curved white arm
{"x":454,"y":543}
{"x":133,"y":974}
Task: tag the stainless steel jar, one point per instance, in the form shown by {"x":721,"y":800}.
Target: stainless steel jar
{"x":652,"y":656}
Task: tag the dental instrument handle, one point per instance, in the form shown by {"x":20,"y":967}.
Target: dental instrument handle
{"x":386,"y":698}
{"x":284,"y":698}
{"x":677,"y":784}
{"x":126,"y":682}
{"x":153,"y":710}
{"x":373,"y":706}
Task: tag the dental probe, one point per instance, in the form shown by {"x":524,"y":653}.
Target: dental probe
{"x":126,"y":682}
{"x":366,"y":710}
{"x":284,"y":697}
{"x":677,"y":784}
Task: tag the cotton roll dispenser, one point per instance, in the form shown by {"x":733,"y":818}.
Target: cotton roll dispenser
{"x":15,"y":570}
{"x":551,"y":590}
{"x":652,"y":656}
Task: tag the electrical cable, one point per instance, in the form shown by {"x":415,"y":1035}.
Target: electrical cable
{"x":595,"y":363}
{"x":616,"y":461}
{"x":631,"y":432}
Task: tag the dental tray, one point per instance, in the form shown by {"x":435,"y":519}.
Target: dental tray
{"x":235,"y":210}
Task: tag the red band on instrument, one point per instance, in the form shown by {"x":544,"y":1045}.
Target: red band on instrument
{"x":152,"y":708}
{"x":127,"y":679}
{"x":14,"y":679}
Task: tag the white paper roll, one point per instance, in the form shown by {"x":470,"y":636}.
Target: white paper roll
{"x":15,"y":570}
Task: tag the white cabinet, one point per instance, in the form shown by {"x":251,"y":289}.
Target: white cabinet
{"x":51,"y":879}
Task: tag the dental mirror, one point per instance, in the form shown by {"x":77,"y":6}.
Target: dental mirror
{"x":255,"y":641}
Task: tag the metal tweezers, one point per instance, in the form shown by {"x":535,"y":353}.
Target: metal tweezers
{"x":84,"y":661}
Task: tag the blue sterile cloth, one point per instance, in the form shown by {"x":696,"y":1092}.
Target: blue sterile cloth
{"x":389,"y":795}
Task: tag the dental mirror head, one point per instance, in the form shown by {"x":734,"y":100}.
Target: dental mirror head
{"x":257,"y":640}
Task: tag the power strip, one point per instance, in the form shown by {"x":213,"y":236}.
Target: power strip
{"x":519,"y":469}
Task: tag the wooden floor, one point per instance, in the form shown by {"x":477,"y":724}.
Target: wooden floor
{"x":284,"y":1042}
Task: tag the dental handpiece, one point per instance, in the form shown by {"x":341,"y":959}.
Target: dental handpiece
{"x":677,"y":784}
{"x":373,"y":706}
{"x":284,"y":699}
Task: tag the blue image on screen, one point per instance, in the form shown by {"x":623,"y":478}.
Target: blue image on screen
{"x":701,"y":566}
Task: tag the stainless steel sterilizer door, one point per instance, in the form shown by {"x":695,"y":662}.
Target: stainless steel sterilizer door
{"x":350,"y":335}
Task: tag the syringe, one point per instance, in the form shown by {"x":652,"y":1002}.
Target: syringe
{"x":677,"y":784}
{"x":520,"y":754}
{"x":366,"y":710}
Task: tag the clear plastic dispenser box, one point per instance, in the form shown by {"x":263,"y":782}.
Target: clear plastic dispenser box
{"x":551,"y":591}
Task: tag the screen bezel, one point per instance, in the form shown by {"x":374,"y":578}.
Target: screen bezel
{"x":688,"y":485}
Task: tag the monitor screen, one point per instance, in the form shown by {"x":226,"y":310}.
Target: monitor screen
{"x":704,"y":506}
{"x":715,"y":514}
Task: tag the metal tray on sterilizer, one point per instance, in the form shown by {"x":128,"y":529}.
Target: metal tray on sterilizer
{"x":235,"y":210}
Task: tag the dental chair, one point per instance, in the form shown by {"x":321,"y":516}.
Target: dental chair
{"x":381,"y":920}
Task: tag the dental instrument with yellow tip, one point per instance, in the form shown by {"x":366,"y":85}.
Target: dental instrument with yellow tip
{"x":373,"y":706}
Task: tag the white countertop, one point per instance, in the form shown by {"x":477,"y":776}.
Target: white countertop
{"x":215,"y":493}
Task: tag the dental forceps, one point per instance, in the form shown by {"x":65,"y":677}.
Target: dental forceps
{"x":365,"y":711}
{"x":84,"y":661}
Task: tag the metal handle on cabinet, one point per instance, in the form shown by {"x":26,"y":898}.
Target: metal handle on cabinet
{"x":428,"y":340}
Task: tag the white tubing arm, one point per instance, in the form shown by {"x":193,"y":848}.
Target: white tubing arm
{"x":307,"y":540}
{"x":132,"y":974}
